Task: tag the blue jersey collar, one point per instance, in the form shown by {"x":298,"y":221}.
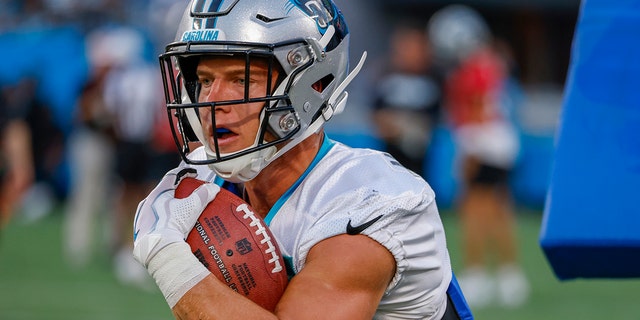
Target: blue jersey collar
{"x":327,"y":144}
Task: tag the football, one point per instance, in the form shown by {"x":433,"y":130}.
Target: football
{"x":237,"y":246}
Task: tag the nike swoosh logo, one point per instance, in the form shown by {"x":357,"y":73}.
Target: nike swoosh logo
{"x":351,"y":230}
{"x":267,"y":19}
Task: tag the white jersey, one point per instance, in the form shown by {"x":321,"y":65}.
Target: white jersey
{"x":349,"y":190}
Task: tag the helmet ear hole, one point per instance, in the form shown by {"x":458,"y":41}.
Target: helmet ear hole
{"x":323,"y":83}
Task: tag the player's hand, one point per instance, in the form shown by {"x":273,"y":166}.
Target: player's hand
{"x":162,"y":219}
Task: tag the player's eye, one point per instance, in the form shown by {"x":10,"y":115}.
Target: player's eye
{"x":205,"y":81}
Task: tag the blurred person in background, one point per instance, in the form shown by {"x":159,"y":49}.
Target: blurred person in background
{"x":47,"y":148}
{"x":32,"y":25}
{"x":17,"y":172}
{"x":488,"y":145}
{"x":113,"y":147}
{"x":91,"y":152}
{"x":408,"y":96}
{"x":33,"y":150}
{"x":133,"y":93}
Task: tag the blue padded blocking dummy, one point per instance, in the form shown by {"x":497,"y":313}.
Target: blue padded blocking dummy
{"x":591,"y":225}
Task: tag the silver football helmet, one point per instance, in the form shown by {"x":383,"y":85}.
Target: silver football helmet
{"x":305,"y":41}
{"x":456,"y":31}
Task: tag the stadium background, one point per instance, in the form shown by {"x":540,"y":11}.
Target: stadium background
{"x":35,"y":283}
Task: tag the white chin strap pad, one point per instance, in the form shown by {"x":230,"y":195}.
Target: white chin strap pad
{"x":244,"y":168}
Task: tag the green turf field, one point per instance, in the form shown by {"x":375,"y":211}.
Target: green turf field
{"x":35,"y":283}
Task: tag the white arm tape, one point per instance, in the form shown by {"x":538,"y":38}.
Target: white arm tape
{"x":176,"y":270}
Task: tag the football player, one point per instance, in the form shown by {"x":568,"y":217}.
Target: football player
{"x":251,"y":85}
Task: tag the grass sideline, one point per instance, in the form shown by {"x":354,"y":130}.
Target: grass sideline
{"x":36,"y":284}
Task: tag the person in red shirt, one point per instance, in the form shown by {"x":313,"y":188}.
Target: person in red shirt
{"x":487,"y":145}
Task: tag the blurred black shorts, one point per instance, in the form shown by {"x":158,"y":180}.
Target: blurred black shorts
{"x":490,"y":175}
